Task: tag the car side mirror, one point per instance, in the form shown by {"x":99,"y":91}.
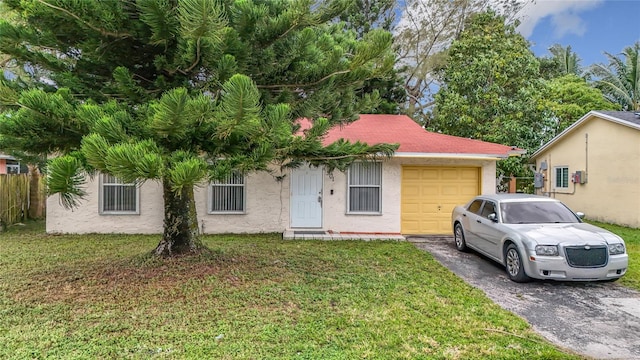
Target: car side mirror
{"x":580,"y":215}
{"x":493,"y":217}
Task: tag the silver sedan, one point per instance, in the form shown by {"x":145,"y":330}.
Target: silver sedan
{"x":538,"y":237}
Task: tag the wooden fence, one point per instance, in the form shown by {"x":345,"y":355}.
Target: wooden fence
{"x":22,"y":196}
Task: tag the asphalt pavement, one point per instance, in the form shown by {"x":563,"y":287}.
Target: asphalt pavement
{"x":597,"y":319}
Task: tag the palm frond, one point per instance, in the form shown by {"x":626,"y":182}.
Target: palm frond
{"x":619,"y":80}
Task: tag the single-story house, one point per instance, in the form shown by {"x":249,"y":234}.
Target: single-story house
{"x":414,"y":192}
{"x":9,"y":165}
{"x":592,"y":166}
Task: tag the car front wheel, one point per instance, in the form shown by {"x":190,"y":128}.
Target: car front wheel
{"x":513,"y":263}
{"x":458,"y":235}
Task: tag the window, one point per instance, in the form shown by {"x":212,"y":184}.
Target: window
{"x":228,"y":196}
{"x":539,"y":212}
{"x":475,"y":206}
{"x":13,"y":167}
{"x":118,"y":197}
{"x":364,"y":188}
{"x":562,"y":177}
{"x":489,"y":208}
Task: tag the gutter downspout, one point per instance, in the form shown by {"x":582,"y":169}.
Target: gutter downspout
{"x":586,"y":157}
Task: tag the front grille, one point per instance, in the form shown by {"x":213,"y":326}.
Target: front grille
{"x":586,"y":257}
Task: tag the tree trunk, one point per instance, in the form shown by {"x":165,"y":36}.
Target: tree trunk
{"x":181,"y":234}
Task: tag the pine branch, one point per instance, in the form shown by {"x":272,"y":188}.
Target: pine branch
{"x":277,"y":86}
{"x":195,"y":63}
{"x":101,"y":31}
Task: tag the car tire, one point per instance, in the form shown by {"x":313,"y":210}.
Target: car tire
{"x":513,"y":264}
{"x":458,"y":236}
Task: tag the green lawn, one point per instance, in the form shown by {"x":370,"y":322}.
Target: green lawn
{"x":253,"y":297}
{"x":632,"y":241}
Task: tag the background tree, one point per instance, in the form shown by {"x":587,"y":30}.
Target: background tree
{"x":366,"y":15}
{"x":619,"y":80}
{"x":563,"y":61}
{"x":491,"y":89}
{"x":424,"y":33}
{"x":569,"y":98}
{"x":182,"y":92}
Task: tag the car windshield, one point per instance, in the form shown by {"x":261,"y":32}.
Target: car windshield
{"x":540,"y":212}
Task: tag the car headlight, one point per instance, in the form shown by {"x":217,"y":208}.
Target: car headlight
{"x":616,"y":249}
{"x":547,"y":250}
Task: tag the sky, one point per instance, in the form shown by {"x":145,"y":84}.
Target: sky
{"x":591,"y":27}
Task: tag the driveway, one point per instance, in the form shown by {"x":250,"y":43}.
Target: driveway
{"x":600,"y":320}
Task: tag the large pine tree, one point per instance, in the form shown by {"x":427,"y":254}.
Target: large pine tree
{"x":181,"y":92}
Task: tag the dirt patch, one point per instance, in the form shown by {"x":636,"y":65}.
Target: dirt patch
{"x":131,"y":278}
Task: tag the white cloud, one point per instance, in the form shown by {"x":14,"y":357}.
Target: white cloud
{"x":568,"y":23}
{"x":565,"y":16}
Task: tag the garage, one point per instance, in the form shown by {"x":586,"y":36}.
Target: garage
{"x":429,"y":194}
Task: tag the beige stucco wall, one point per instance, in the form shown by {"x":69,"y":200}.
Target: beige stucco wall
{"x":87,"y":219}
{"x":265,"y":212}
{"x":267,"y":205}
{"x":334,"y":209}
{"x":609,"y":153}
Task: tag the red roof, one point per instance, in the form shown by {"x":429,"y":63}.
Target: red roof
{"x":400,"y":129}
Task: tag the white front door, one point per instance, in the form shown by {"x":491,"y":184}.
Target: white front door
{"x":306,"y":197}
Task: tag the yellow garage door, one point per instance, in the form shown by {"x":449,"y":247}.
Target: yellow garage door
{"x":429,"y":194}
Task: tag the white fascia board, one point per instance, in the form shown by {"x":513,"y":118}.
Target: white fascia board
{"x":449,"y":156}
{"x":617,"y":121}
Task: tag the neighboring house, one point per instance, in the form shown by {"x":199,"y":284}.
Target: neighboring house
{"x":9,"y":165}
{"x":414,"y":192}
{"x":593,"y":167}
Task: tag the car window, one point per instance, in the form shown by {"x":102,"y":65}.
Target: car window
{"x":474,"y":207}
{"x":488,"y":208}
{"x":540,"y":212}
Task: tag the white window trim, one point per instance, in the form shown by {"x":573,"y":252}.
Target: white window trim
{"x":379,"y":212}
{"x":244,"y":198}
{"x":101,"y":199}
{"x":555,"y":177}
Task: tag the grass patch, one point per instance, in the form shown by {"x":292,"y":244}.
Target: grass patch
{"x":632,"y":241}
{"x":252,"y":297}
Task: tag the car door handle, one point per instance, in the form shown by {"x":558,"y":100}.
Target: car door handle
{"x":479,"y":222}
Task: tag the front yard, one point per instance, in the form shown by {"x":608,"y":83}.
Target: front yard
{"x":253,"y":297}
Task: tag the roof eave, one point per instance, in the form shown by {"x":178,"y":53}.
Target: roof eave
{"x":516,"y":152}
{"x":450,"y":156}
